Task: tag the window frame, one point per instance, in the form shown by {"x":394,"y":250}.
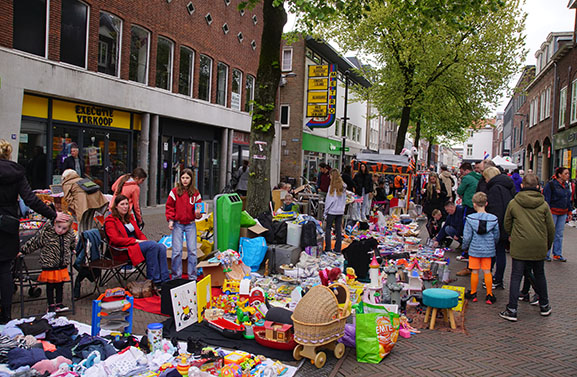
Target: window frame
{"x":209,"y":77}
{"x":218,"y":65}
{"x":562,"y":106}
{"x":239,"y":89}
{"x":118,"y":44}
{"x":249,"y":98}
{"x":147,"y":68}
{"x":170,"y":63}
{"x":46,"y":32}
{"x":86,"y":40}
{"x":284,"y":66}
{"x":288,"y":115}
{"x":191,"y":74}
{"x":573,"y":113}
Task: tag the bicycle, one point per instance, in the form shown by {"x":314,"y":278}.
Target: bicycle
{"x":230,"y":187}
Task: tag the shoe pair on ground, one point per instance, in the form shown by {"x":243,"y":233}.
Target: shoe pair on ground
{"x":558,"y":258}
{"x":526,"y":297}
{"x":57,"y":308}
{"x":511,"y":315}
{"x":489,"y":299}
{"x":495,"y":285}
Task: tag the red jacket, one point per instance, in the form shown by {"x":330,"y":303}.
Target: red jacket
{"x":131,"y":190}
{"x":181,"y":208}
{"x":118,"y":237}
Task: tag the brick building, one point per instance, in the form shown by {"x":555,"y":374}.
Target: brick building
{"x":159,"y":84}
{"x":520,"y":116}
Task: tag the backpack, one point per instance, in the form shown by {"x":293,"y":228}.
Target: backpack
{"x":88,"y":186}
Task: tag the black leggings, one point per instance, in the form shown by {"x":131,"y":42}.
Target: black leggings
{"x":50,"y":289}
{"x":6,"y":289}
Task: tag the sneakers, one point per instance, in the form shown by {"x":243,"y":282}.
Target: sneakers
{"x":547,"y":259}
{"x":471,"y":296}
{"x":490,"y":299}
{"x":559,"y":258}
{"x":545,"y":310}
{"x":51,"y":308}
{"x":509,"y":315}
{"x":61,"y":308}
{"x":464,"y":272}
{"x":524,"y":297}
{"x":534,"y":300}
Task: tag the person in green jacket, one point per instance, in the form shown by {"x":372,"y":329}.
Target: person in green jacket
{"x":468,"y":185}
{"x":529,"y":222}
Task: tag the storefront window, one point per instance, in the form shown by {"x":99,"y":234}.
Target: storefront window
{"x":249,"y":96}
{"x":29,"y":26}
{"x":236,"y":89}
{"x":204,"y":78}
{"x":73,"y":32}
{"x":32,"y":152}
{"x":221,"y":83}
{"x":139,"y":39}
{"x":164,"y":63}
{"x":185,"y":71}
{"x":109,"y":34}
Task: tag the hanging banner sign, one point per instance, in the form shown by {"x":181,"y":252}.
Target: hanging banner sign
{"x":322,"y":105}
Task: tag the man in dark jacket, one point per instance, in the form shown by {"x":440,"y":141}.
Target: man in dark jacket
{"x":454,"y":224}
{"x":13,"y":182}
{"x":74,"y":161}
{"x":324,"y":179}
{"x":485,"y":164}
{"x":500,"y":191}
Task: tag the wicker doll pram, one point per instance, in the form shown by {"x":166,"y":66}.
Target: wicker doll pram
{"x":319,"y":320}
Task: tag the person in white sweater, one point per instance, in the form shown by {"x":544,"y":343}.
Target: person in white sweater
{"x":335,"y":203}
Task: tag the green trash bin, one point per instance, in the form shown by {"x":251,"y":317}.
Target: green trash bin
{"x":227,"y":215}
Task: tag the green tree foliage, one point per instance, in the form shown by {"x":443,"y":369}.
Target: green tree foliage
{"x":442,"y":62}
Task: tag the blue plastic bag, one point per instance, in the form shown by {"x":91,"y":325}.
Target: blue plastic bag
{"x":252,"y":251}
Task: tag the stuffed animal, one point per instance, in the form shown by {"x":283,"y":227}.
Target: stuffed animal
{"x":329,"y":276}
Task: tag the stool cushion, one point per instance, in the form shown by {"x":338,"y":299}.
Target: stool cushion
{"x":440,"y":298}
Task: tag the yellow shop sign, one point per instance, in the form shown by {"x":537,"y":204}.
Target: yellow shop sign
{"x":90,"y":114}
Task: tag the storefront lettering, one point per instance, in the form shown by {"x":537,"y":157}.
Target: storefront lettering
{"x":98,"y":116}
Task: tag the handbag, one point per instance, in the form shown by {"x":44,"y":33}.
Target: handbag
{"x":377,"y":332}
{"x":88,"y":186}
{"x":9,"y":224}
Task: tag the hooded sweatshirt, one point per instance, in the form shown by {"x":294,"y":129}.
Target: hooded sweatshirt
{"x":529,"y":222}
{"x":500,"y":191}
{"x":480,"y":235}
{"x":517,"y":180}
{"x":131,"y":190}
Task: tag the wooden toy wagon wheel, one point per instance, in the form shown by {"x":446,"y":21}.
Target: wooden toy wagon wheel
{"x":339,"y":350}
{"x":297,"y":352}
{"x":320,"y":360}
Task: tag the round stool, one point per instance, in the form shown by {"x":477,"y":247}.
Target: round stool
{"x":439,"y":298}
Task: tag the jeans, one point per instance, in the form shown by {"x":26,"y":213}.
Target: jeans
{"x":517,"y":270}
{"x":451,"y":232}
{"x":500,"y":259}
{"x":156,"y":266}
{"x":338,"y":220}
{"x":366,"y":206}
{"x":176,"y":261}
{"x":559,"y":221}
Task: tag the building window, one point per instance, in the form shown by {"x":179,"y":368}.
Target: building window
{"x":221,"y":83}
{"x":109,"y":34}
{"x":190,"y":8}
{"x":562,"y":106}
{"x":249,"y":90}
{"x":285,"y":115}
{"x":205,"y":77}
{"x":338,"y":127}
{"x":469,"y":150}
{"x":138,"y":67}
{"x":236,"y":85}
{"x":287,"y":60}
{"x":29,"y":26}
{"x":574,"y":101}
{"x":185,"y":71}
{"x":164,"y":53}
{"x":73,"y":25}
{"x":471,"y":133}
{"x":225,"y":28}
{"x":521,"y":133}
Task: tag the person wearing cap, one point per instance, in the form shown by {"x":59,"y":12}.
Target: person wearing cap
{"x":74,"y":161}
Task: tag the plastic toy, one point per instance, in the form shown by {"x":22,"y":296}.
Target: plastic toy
{"x":183,"y":365}
{"x":230,"y":286}
{"x":227,"y":328}
{"x":351,"y":276}
{"x":275,"y":335}
{"x":236,"y":357}
{"x":116,"y":304}
{"x":374,"y":273}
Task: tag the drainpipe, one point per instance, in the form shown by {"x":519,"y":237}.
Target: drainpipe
{"x":153,"y":170}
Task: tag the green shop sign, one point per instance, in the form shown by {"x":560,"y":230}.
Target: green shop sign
{"x":565,"y":139}
{"x":320,"y":144}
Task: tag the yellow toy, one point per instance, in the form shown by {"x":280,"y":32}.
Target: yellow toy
{"x":183,"y":365}
{"x":351,"y":276}
{"x":236,"y":357}
{"x":230,"y":286}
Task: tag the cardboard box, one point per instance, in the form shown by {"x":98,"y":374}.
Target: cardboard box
{"x":254,"y":231}
{"x":214,"y":270}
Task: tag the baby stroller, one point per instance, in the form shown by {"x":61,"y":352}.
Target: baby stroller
{"x":20,"y":272}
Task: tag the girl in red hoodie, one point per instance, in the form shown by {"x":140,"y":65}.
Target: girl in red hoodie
{"x":181,"y":214}
{"x":129,"y":186}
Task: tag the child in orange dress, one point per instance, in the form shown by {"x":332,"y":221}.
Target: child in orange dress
{"x":55,"y":242}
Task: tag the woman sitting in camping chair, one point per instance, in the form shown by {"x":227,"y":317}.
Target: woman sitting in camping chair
{"x":123,"y":232}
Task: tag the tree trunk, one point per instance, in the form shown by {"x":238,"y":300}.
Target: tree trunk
{"x":417,"y":134}
{"x":402,"y":133}
{"x":429,"y":153}
{"x":262,"y":128}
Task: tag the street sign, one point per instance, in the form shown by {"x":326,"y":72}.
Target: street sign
{"x":346,"y":149}
{"x":318,"y":84}
{"x":316,"y":111}
{"x":317,"y":97}
{"x":318,"y":70}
